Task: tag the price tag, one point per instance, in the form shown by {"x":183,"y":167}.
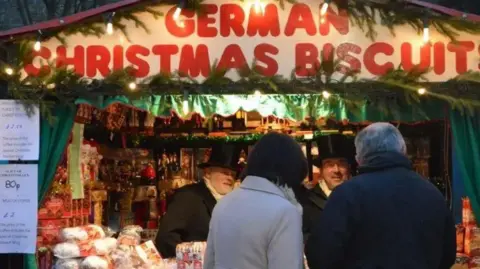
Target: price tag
{"x":19,"y":132}
{"x":18,"y":208}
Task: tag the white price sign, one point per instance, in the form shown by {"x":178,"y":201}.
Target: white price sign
{"x":19,"y":132}
{"x":18,"y":208}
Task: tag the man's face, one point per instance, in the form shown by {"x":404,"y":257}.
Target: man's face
{"x":335,"y":171}
{"x":222,"y":179}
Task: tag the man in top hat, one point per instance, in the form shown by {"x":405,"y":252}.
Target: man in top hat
{"x":331,"y":168}
{"x":188,"y":214}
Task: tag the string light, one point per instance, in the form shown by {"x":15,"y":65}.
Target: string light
{"x":176,"y":14}
{"x":132,"y":86}
{"x":259,"y":7}
{"x":178,"y":11}
{"x":185,"y":102}
{"x":324,"y":8}
{"x":421,"y":91}
{"x":110,"y":24}
{"x":9,"y":71}
{"x":38,"y":45}
{"x":426,"y":31}
{"x":325,"y":94}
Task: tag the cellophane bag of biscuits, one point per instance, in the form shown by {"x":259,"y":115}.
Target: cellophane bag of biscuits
{"x":82,"y":233}
{"x":190,"y":255}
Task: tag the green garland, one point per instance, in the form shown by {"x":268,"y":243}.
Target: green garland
{"x":362,"y":13}
{"x":65,"y":86}
{"x":200,"y":139}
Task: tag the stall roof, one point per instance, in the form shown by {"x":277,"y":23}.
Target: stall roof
{"x":78,"y":17}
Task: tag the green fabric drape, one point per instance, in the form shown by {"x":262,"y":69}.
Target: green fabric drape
{"x":53,"y":139}
{"x":294,"y":107}
{"x":466,"y":139}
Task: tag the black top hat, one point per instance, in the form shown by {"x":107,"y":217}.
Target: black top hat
{"x":334,"y":146}
{"x":223,"y":155}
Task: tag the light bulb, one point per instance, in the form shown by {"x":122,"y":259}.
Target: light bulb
{"x":324,"y":9}
{"x":426,"y":35}
{"x":421,"y":91}
{"x":9,"y":71}
{"x":259,"y":7}
{"x":176,"y":14}
{"x":132,"y":86}
{"x":109,"y":28}
{"x":325,"y":94}
{"x":257,"y":93}
{"x":37,"y":46}
{"x":185,"y":106}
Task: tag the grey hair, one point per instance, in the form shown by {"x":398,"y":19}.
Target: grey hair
{"x":379,"y":137}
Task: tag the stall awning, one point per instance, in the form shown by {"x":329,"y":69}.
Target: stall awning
{"x":295,"y":107}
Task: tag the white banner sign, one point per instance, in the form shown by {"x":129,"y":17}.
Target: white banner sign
{"x":19,"y":132}
{"x":231,"y":34}
{"x":18,"y":208}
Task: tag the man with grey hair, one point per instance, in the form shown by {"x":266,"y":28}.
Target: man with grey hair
{"x":386,"y":217}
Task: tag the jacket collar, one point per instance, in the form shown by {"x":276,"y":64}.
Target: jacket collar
{"x":379,"y":161}
{"x":318,"y":197}
{"x":261,"y":184}
{"x":207,"y":197}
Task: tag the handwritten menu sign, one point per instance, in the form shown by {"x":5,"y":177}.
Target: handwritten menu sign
{"x":19,"y":132}
{"x":18,"y":208}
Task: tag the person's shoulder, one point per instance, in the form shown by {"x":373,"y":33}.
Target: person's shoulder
{"x":191,"y":190}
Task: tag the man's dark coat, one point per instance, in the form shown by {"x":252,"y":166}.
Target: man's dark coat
{"x":187,"y":218}
{"x":388,"y":217}
{"x":313,"y":202}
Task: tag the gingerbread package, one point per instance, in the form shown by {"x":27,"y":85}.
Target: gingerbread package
{"x":190,"y":255}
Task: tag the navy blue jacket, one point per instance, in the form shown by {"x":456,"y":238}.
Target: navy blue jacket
{"x":387,"y":217}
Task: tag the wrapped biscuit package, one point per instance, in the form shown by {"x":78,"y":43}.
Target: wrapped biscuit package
{"x":99,"y":247}
{"x":128,"y":239}
{"x":96,"y":262}
{"x":170,"y":263}
{"x":82,"y":233}
{"x":474,"y":242}
{"x":190,"y":255}
{"x":149,"y":253}
{"x":467,"y":213}
{"x":68,"y":264}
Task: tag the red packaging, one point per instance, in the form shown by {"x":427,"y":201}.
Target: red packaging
{"x":460,"y":232}
{"x":56,"y":207}
{"x":197,"y":265}
{"x":148,"y":253}
{"x":467,"y":240}
{"x":467,"y":213}
{"x":49,"y":230}
{"x":472,"y":241}
{"x":181,"y":265}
